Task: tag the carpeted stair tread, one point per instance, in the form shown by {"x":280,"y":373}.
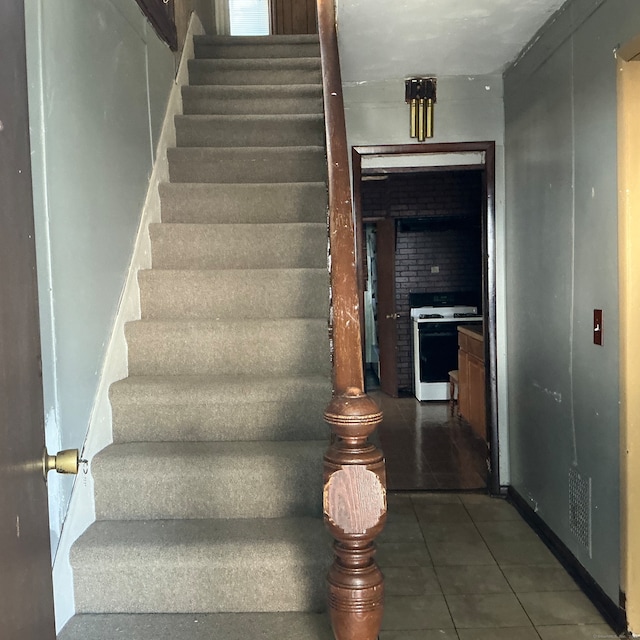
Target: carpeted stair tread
{"x":245,"y":130}
{"x":167,"y":480}
{"x":255,"y":71}
{"x":254,"y":50}
{"x":255,"y":47}
{"x":233,"y":293}
{"x":246,"y":164}
{"x":238,"y":246}
{"x":252,"y":99}
{"x":259,"y":64}
{"x":227,"y":347}
{"x":288,"y":39}
{"x":196,"y":408}
{"x":193,"y":203}
{"x":218,"y":565}
{"x":217,"y":389}
{"x":202,"y":626}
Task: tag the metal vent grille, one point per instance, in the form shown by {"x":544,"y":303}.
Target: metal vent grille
{"x":580,"y":508}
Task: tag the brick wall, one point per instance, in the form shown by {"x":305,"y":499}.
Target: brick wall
{"x":453,"y":243}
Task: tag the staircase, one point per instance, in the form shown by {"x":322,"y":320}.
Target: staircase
{"x":208,"y":502}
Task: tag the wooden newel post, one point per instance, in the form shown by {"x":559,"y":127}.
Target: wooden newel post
{"x":355,"y":510}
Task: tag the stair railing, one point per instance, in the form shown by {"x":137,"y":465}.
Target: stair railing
{"x":355,"y":505}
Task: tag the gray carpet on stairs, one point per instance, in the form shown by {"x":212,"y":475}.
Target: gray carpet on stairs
{"x":198,"y":203}
{"x":208,"y":502}
{"x":257,"y":99}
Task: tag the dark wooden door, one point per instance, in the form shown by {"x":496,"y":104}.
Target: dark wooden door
{"x":26,"y":597}
{"x":293,"y":16}
{"x":387,"y":317}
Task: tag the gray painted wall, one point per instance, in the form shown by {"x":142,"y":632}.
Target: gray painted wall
{"x":99,"y":79}
{"x":560,"y":112}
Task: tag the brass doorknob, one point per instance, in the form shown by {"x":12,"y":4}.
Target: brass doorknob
{"x":67,"y":461}
{"x":392,"y":316}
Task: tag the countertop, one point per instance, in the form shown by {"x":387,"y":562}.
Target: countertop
{"x":474,"y":331}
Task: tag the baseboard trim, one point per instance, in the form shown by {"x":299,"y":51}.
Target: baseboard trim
{"x":613,"y":613}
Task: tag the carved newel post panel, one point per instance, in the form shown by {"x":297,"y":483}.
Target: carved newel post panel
{"x":355,"y":509}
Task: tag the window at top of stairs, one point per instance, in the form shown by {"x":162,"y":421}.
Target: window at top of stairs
{"x":249,"y":17}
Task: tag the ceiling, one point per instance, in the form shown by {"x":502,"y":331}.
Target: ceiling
{"x":392,"y":39}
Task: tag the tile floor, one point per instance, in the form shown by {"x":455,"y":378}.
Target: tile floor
{"x":426,"y":448}
{"x":467,"y":567}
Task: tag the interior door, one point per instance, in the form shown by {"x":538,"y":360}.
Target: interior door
{"x":387,"y":317}
{"x":293,"y":17}
{"x":26,"y":597}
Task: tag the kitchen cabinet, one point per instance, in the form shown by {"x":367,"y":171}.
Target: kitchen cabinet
{"x":471,"y":383}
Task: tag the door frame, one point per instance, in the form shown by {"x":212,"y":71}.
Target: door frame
{"x":628,"y":95}
{"x":26,"y":589}
{"x":488,"y":269}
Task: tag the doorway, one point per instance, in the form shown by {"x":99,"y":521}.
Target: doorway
{"x":467,"y":168}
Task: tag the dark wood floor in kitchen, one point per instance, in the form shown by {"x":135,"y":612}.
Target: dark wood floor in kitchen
{"x":428,"y":449}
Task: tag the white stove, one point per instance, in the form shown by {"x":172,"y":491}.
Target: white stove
{"x":435,"y":347}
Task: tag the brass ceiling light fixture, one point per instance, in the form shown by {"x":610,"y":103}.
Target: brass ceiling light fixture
{"x":420,"y":95}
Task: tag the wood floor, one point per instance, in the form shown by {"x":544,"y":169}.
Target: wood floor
{"x":428,"y":449}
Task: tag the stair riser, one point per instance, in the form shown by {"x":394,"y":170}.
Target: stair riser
{"x":182,"y":348}
{"x":294,"y":420}
{"x":180,"y":585}
{"x":253,"y":165}
{"x":203,"y":106}
{"x":244,"y":203}
{"x":259,"y":99}
{"x":218,"y":51}
{"x":172,"y":566}
{"x":296,"y":293}
{"x":289,"y":40}
{"x":220,"y":408}
{"x":261,"y":65}
{"x":257,"y":132}
{"x":239,"y":247}
{"x":234,"y":482}
{"x":203,"y":74}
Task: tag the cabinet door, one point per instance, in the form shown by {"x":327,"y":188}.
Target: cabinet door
{"x":463,"y":385}
{"x":477,"y":399}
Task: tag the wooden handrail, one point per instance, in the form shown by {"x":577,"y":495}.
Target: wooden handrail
{"x":347,"y":335}
{"x":354,"y":501}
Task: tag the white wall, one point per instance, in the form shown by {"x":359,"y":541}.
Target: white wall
{"x":468,"y":109}
{"x":99,"y":79}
